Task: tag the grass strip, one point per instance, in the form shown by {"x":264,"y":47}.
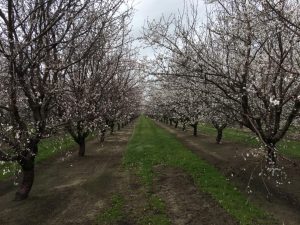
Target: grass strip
{"x":288,"y":148}
{"x":47,"y":148}
{"x":151,"y":145}
{"x":113,"y":215}
{"x":155,"y":212}
{"x":152,"y":213}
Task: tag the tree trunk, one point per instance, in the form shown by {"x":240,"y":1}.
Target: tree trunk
{"x":112,"y":126}
{"x":171,"y":122}
{"x":183,"y":127}
{"x":81,"y":143}
{"x":119,"y":126}
{"x":27,"y":166}
{"x":195,"y":130}
{"x":271,"y":155}
{"x":219,"y":127}
{"x":219,"y":135}
{"x":195,"y":126}
{"x":27,"y":181}
{"x":102,"y":136}
{"x":176,"y":124}
{"x":241,"y":126}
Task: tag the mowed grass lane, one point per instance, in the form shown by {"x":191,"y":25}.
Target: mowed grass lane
{"x":151,"y":146}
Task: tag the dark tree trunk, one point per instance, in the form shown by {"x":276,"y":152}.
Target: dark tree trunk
{"x":119,"y":126}
{"x":81,"y":143}
{"x":219,"y":135}
{"x":219,"y":127}
{"x":176,"y":124}
{"x":112,"y":127}
{"x":241,"y":126}
{"x":195,"y":130}
{"x":27,"y":181}
{"x":171,"y":122}
{"x":27,"y":165}
{"x":102,"y":136}
{"x":271,"y":155}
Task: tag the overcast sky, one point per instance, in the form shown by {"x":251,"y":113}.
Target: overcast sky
{"x":153,"y":9}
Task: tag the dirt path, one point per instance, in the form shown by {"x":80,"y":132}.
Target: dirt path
{"x":70,"y":190}
{"x":186,"y":204}
{"x":284,"y":201}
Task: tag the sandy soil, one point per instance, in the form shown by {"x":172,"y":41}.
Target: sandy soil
{"x":282,"y":201}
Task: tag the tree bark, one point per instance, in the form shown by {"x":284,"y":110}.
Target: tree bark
{"x":102,"y":136}
{"x":195,"y":130}
{"x":119,"y":126}
{"x":219,"y":135}
{"x":27,"y":165}
{"x":112,"y":126}
{"x":271,"y":155}
{"x":219,"y":128}
{"x":176,"y":124}
{"x":27,"y":181}
{"x":81,"y":143}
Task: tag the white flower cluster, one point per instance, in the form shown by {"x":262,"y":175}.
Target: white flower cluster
{"x":274,"y":101}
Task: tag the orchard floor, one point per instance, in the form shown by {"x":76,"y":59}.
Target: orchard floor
{"x":69,"y":189}
{"x":282,"y":201}
{"x":72,"y":190}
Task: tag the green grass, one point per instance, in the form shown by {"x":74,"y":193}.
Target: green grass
{"x":155,"y":212}
{"x":288,"y":148}
{"x":51,"y":146}
{"x":158,"y":219}
{"x":156,"y":204}
{"x":47,"y":148}
{"x":114,"y":214}
{"x":151,"y":145}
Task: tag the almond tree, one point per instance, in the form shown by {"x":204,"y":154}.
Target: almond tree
{"x":181,"y":99}
{"x":33,"y":37}
{"x":259,"y":73}
{"x":90,"y":81}
{"x":247,"y":56}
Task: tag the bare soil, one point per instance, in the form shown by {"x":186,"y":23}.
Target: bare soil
{"x":69,"y":189}
{"x":242,"y":166}
{"x":186,"y":204}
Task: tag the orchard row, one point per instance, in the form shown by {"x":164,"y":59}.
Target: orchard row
{"x":240,"y":67}
{"x":66,"y":65}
